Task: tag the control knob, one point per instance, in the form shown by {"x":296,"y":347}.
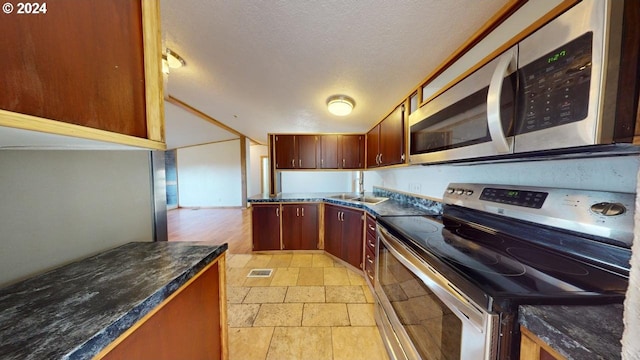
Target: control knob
{"x":608,"y":209}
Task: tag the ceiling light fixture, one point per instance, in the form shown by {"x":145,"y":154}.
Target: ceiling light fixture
{"x":340,"y":105}
{"x":171,"y":60}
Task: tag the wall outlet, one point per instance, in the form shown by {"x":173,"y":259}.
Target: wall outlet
{"x":415,"y":187}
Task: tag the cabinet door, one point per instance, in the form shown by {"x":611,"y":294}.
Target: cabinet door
{"x":307,"y":146}
{"x":373,"y":139}
{"x":300,"y":226}
{"x":352,"y":236}
{"x":333,"y":230}
{"x":329,"y":151}
{"x":309,"y":226}
{"x":285,"y":152}
{"x":79,"y":69}
{"x":392,"y":138}
{"x":266,"y":226}
{"x":351,"y":152}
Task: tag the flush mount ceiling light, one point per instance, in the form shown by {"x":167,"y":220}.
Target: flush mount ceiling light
{"x":340,"y":105}
{"x":171,"y":60}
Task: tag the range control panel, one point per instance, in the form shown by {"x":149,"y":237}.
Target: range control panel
{"x":600,"y":213}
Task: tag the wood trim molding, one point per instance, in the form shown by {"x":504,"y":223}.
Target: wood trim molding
{"x":202,"y":115}
{"x":34,"y":123}
{"x":152,"y":42}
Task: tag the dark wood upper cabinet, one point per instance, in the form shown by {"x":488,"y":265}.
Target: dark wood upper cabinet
{"x":329,"y":151}
{"x":385,"y":142}
{"x":92,"y":63}
{"x":351,"y":151}
{"x":296,"y":151}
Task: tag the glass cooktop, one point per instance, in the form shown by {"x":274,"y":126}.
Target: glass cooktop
{"x":506,"y":269}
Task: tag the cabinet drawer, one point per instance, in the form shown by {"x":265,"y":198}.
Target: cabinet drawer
{"x":371,"y":225}
{"x":370,"y":243}
{"x":369,"y":266}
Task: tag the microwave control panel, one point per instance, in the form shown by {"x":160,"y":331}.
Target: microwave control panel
{"x":555,"y":87}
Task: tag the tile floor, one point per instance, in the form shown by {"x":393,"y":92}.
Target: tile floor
{"x":310,"y":308}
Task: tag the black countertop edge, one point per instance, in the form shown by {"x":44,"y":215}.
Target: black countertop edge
{"x":578,"y":332}
{"x":396,"y":204}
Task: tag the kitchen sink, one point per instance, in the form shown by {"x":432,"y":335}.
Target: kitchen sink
{"x":363,"y":199}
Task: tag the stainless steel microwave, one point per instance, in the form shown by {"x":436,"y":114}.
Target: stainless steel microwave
{"x":555,"y":89}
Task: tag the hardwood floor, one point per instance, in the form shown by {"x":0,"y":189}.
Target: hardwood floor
{"x":215,"y":225}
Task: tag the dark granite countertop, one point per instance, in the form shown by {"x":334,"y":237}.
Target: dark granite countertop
{"x":74,"y":311}
{"x":397,"y":203}
{"x":577,"y":332}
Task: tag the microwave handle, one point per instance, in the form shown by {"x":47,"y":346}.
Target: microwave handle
{"x":494,"y":120}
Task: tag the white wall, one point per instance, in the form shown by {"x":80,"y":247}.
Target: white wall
{"x":317,"y":181}
{"x":60,"y":206}
{"x":608,"y":174}
{"x":209,"y":175}
{"x":253,"y":172}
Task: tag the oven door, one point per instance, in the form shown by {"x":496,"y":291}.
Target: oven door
{"x":423,"y":316}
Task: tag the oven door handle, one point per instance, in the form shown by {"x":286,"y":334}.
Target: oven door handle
{"x":494,"y":119}
{"x":464,"y":309}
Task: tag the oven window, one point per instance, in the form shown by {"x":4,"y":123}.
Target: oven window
{"x":433,"y":329}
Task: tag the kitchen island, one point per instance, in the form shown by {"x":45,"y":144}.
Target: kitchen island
{"x":153,"y":298}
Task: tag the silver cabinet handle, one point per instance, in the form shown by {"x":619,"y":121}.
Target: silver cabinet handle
{"x":338,"y":215}
{"x":293,"y":162}
{"x":278,"y":211}
{"x":369,"y":259}
{"x":371,"y":228}
{"x":380,"y":158}
{"x":322,"y":162}
{"x":300,"y":162}
{"x":342,"y":217}
{"x":371,"y":244}
{"x":297,"y":211}
{"x":343,"y":162}
{"x":302,"y":211}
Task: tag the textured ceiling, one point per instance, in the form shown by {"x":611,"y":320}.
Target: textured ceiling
{"x":268,"y":66}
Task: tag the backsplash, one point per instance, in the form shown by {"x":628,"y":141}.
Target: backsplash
{"x":408,"y":199}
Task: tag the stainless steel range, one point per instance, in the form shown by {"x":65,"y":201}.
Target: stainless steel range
{"x":449,"y":287}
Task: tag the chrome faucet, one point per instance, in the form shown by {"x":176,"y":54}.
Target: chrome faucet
{"x":361,"y":183}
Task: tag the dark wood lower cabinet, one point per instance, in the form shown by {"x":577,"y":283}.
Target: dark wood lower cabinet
{"x":344,"y":233}
{"x":265,"y":226}
{"x":300,"y":226}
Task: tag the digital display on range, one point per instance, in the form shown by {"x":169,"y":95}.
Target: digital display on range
{"x":531,"y":199}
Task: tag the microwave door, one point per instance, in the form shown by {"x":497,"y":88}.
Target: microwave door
{"x":455,"y":124}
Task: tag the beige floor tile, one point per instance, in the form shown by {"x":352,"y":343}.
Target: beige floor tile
{"x":280,"y":260}
{"x":236,"y":276}
{"x":356,"y":278}
{"x":311,"y":277}
{"x":242,"y":315}
{"x":355,"y":343}
{"x":361,"y":314}
{"x":321,"y":260}
{"x":236,"y":294}
{"x":263,"y":295}
{"x":345,"y":294}
{"x":368,"y":294}
{"x":258,"y":261}
{"x":305,"y":294}
{"x":258,"y":281}
{"x":238,"y":260}
{"x":285,"y":276}
{"x":325,"y":315}
{"x":301,"y":343}
{"x":279,"y":315}
{"x":258,"y":337}
{"x":336,"y":276}
{"x":301,"y":260}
